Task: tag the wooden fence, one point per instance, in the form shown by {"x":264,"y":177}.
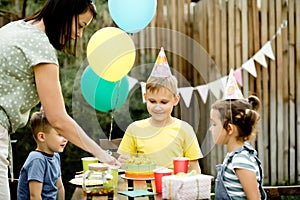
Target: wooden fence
{"x":231,"y":33}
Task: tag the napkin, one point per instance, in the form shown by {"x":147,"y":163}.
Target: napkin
{"x":137,"y":193}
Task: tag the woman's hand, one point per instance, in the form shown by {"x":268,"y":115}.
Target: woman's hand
{"x":122,"y":159}
{"x":111,"y":160}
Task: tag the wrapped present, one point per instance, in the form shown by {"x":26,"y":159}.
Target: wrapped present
{"x":187,"y":187}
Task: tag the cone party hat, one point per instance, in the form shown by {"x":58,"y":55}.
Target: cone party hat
{"x":232,"y":90}
{"x":161,"y":67}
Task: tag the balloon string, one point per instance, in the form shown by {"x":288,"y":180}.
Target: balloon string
{"x":113,"y":110}
{"x":111,"y":125}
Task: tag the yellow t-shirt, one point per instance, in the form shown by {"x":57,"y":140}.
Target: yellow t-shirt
{"x":161,"y":144}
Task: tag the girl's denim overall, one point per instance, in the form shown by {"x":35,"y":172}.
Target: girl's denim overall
{"x":220,"y":190}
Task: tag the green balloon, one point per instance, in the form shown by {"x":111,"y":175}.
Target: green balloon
{"x":101,"y":94}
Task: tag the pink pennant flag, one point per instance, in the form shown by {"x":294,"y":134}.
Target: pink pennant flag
{"x":238,"y":76}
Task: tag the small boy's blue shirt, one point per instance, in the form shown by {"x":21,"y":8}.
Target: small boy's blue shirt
{"x":43,"y":168}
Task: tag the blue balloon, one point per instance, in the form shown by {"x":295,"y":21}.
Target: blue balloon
{"x":101,"y":94}
{"x":132,"y":15}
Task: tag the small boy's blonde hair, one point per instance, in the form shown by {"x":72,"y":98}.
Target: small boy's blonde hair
{"x":39,"y":123}
{"x":153,"y":84}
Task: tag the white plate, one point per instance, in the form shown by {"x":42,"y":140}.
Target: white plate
{"x":78,"y":181}
{"x":136,"y":179}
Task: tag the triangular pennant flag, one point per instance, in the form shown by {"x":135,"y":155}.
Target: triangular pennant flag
{"x":232,"y":90}
{"x":267,"y":50}
{"x":203,"y":92}
{"x":260,"y":58}
{"x":161,"y":67}
{"x":143,"y":88}
{"x":216,"y":87}
{"x":131,"y":82}
{"x":186,"y":93}
{"x":250,"y":67}
{"x":238,"y":76}
{"x":223,"y":81}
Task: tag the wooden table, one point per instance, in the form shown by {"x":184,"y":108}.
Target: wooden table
{"x":123,"y":185}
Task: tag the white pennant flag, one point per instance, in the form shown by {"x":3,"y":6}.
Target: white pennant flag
{"x":186,"y":93}
{"x":260,"y":58}
{"x":250,"y":67}
{"x":216,"y":88}
{"x":143,"y":87}
{"x":203,"y":92}
{"x":267,"y":50}
{"x":224,"y":81}
{"x":131,"y":82}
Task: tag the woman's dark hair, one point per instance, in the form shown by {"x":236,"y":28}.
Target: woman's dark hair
{"x":240,"y":112}
{"x":57,"y":16}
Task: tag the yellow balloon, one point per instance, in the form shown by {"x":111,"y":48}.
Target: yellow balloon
{"x":111,"y":53}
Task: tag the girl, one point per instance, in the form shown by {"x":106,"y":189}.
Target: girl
{"x":233,"y":123}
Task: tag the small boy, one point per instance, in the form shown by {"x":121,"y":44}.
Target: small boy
{"x":161,"y":137}
{"x":40,"y":176}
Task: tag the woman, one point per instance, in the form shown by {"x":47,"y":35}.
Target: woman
{"x":29,"y":74}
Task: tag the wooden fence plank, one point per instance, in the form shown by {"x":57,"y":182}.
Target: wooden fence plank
{"x":231,"y":35}
{"x":297,"y":74}
{"x":263,"y":137}
{"x":244,"y":16}
{"x":217,"y":33}
{"x":273,"y":113}
{"x":291,"y":90}
{"x":238,"y":38}
{"x":285,"y":92}
{"x":279,"y":95}
{"x":224,"y":41}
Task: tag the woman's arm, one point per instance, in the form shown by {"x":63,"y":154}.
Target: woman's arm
{"x":61,"y":189}
{"x":50,"y":94}
{"x":249,"y":183}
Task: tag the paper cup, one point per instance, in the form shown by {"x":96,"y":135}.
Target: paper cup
{"x":181,"y":164}
{"x":86,"y":161}
{"x":158,"y":174}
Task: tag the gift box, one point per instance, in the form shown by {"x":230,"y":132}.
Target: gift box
{"x":188,"y":187}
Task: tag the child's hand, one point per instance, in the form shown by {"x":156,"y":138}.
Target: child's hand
{"x":122,"y":159}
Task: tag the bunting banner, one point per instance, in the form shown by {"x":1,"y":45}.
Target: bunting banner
{"x":217,"y":87}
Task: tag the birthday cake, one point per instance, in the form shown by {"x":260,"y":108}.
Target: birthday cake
{"x":139,"y":167}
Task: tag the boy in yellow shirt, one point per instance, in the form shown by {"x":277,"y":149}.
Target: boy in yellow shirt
{"x":161,"y":137}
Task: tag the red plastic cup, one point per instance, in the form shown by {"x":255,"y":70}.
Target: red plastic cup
{"x":181,"y":164}
{"x":158,"y":174}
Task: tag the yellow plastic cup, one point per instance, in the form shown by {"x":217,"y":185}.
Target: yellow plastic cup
{"x":86,"y":161}
{"x":115,"y":174}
